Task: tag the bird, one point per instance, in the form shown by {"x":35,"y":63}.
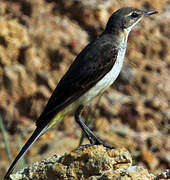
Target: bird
{"x":94,"y":69}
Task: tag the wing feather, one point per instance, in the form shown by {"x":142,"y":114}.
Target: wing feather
{"x":91,"y":65}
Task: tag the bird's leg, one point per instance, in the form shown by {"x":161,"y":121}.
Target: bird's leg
{"x":94,"y":140}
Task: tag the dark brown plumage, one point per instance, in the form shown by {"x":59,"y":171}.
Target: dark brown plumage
{"x":91,"y":65}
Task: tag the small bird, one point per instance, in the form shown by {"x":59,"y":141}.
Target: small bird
{"x":95,"y":68}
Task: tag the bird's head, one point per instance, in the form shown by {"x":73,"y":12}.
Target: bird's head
{"x":126,"y":18}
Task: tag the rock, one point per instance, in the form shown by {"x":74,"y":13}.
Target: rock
{"x":133,"y":172}
{"x":163,"y":175}
{"x":12,"y":37}
{"x":88,"y":12}
{"x":150,"y":159}
{"x":44,"y":78}
{"x":2,"y":8}
{"x":17,"y":81}
{"x":86,"y":162}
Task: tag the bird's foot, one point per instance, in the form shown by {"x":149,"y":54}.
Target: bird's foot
{"x":94,"y":144}
{"x":98,"y":141}
{"x":82,"y":146}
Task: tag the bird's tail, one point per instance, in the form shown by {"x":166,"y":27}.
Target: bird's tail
{"x":36,"y":134}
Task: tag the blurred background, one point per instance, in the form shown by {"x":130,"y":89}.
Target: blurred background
{"x":39,"y":39}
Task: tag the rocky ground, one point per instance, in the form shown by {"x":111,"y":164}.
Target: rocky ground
{"x":88,"y":163}
{"x":39,"y":39}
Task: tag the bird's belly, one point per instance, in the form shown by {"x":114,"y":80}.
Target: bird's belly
{"x":99,"y":88}
{"x":105,"y":82}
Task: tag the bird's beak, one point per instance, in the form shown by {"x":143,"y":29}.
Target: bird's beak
{"x":148,"y":13}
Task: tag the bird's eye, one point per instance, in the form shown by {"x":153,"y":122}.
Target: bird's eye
{"x":134,"y":15}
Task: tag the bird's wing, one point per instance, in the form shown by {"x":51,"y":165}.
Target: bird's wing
{"x":91,"y":65}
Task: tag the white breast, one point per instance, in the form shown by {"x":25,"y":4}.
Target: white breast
{"x":108,"y":79}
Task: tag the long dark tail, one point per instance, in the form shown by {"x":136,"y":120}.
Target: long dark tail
{"x":36,"y":134}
